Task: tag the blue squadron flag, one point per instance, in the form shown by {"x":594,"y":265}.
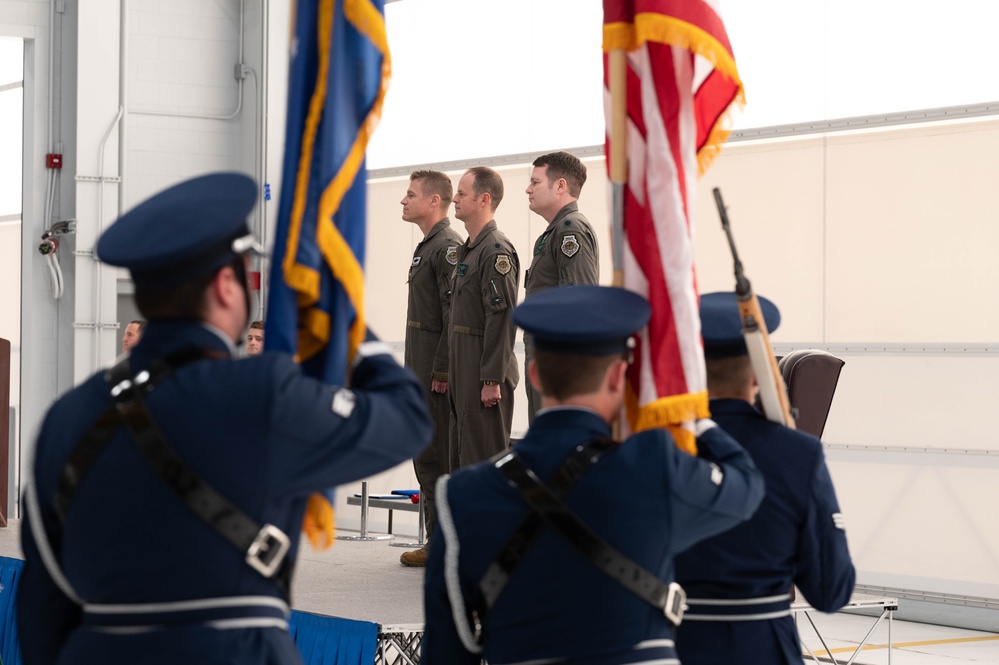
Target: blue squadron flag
{"x":339,"y":73}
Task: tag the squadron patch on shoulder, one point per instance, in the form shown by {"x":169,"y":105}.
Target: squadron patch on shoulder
{"x":838,"y":521}
{"x":416,"y":261}
{"x":344,"y":401}
{"x":503,"y":264}
{"x":451,"y":255}
{"x":570,"y":245}
{"x":717,"y":475}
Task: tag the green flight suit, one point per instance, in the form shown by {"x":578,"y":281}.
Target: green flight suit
{"x":567,"y":253}
{"x":484,"y":292}
{"x":426,"y":348}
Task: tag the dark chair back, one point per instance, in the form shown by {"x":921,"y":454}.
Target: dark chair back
{"x":811,"y":376}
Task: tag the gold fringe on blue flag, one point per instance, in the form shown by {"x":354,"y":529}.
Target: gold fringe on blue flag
{"x":339,"y":73}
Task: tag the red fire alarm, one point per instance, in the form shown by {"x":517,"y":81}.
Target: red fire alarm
{"x":53,"y":161}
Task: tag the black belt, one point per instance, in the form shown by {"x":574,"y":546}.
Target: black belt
{"x":264,"y":547}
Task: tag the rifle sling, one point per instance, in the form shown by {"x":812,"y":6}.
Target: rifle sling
{"x":527,"y":533}
{"x":265,"y":547}
{"x":93,"y":441}
{"x":600,"y":553}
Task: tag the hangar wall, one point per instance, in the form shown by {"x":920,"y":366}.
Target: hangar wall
{"x":877,"y":246}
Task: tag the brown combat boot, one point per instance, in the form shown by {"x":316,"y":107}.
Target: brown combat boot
{"x":414,"y":558}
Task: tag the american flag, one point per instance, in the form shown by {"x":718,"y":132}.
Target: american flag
{"x":680,"y":82}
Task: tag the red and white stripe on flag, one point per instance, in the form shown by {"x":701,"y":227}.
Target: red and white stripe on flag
{"x":681,"y":81}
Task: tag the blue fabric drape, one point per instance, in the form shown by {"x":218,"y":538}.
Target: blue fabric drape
{"x":321,"y":640}
{"x":10,"y":571}
{"x":333,"y":641}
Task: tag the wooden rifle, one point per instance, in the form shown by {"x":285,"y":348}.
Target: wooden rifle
{"x":773,"y":394}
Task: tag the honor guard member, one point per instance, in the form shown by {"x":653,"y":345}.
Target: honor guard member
{"x":739,"y":584}
{"x":561,"y":550}
{"x":566,"y":253}
{"x":426,"y":204}
{"x":168,"y":492}
{"x":482,"y":367}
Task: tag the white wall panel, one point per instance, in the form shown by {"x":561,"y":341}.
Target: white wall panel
{"x":920,"y":400}
{"x":921,"y":521}
{"x":913,"y":235}
{"x":774,"y":195}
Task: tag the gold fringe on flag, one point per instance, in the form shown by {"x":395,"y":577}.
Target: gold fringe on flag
{"x":670,"y":413}
{"x":661,"y":29}
{"x":319,"y":522}
{"x":619,"y":35}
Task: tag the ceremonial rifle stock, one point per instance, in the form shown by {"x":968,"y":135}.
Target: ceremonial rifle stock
{"x":773,"y":394}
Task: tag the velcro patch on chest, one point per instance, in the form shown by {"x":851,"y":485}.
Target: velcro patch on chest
{"x":451,"y":255}
{"x":503,"y":264}
{"x":416,"y":261}
{"x":570,"y":245}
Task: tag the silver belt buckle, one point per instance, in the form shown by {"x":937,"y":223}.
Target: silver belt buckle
{"x":676,"y":603}
{"x":268,"y":549}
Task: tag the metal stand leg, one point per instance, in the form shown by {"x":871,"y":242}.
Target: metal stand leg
{"x":891,"y":613}
{"x":420,"y":541}
{"x":364,"y":535}
{"x":423,"y":527}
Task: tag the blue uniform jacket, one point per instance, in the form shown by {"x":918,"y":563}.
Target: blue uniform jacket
{"x":261,"y":433}
{"x":648,"y":499}
{"x":794,"y":538}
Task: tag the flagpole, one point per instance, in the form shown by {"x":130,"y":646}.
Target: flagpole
{"x":617,"y":63}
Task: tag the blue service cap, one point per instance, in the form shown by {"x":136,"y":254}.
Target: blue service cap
{"x":584,"y":320}
{"x":186,"y":231}
{"x":721,"y":327}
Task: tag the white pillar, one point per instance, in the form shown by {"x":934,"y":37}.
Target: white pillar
{"x":98,"y":113}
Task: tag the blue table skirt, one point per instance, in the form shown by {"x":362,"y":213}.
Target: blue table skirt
{"x":322,"y":640}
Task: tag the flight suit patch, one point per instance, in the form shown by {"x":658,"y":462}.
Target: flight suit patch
{"x":503,"y":264}
{"x":569,"y":245}
{"x":462,"y":269}
{"x":838,"y":521}
{"x":416,"y":261}
{"x":451,"y":255}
